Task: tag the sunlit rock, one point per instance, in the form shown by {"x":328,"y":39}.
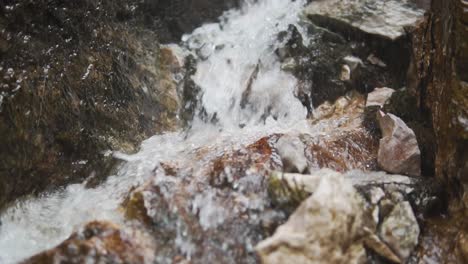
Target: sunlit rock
{"x":400,"y":230}
{"x":326,"y":228}
{"x":384,"y":18}
{"x":398,"y":150}
{"x":379,"y":97}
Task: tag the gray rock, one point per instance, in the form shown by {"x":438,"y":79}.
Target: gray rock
{"x":326,"y":228}
{"x":400,"y":230}
{"x":398,"y":149}
{"x":373,"y":242}
{"x":384,"y":18}
{"x":353,"y":62}
{"x":291,"y":151}
{"x":379,"y":97}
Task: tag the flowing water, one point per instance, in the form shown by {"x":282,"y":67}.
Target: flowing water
{"x":235,"y":55}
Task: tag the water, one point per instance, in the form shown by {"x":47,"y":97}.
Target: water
{"x":231,"y":53}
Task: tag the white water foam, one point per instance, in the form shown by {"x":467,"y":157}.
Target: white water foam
{"x":231,"y":51}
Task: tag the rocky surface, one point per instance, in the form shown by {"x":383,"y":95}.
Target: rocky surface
{"x":233,"y":204}
{"x":71,"y":91}
{"x":439,"y":60}
{"x":99,"y":242}
{"x":398,"y":149}
{"x":400,"y":230}
{"x":388,"y":208}
{"x":388,"y":19}
{"x":325,"y":228}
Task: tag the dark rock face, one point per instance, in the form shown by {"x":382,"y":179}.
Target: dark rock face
{"x":440,"y":61}
{"x":83,"y":77}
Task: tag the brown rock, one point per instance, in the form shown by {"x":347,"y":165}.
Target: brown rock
{"x":398,"y":150}
{"x":98,"y":242}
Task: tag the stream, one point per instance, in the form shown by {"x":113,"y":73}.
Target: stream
{"x":228,"y":54}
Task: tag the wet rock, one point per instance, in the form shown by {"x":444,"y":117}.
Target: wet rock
{"x":332,"y":65}
{"x":66,"y":105}
{"x":99,"y":242}
{"x":379,"y":97}
{"x":400,"y":230}
{"x":291,"y":151}
{"x":398,"y":149}
{"x":438,"y":80}
{"x":388,"y":19}
{"x":326,"y":228}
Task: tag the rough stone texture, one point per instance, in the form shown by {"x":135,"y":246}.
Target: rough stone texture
{"x":99,"y":242}
{"x":438,"y":81}
{"x":70,"y":91}
{"x":400,"y":230}
{"x":388,"y":19}
{"x":379,"y":97}
{"x":398,"y":149}
{"x":326,"y":228}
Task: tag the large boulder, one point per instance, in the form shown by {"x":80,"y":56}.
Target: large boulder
{"x":326,"y":228}
{"x":438,"y":80}
{"x":388,"y":19}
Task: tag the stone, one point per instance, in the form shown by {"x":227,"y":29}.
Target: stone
{"x":376,"y":194}
{"x":384,"y":18}
{"x":99,"y":242}
{"x":398,"y":149}
{"x":353,"y":62}
{"x":379,"y":97}
{"x":345,"y":74}
{"x":326,"y":228}
{"x":400,"y":230}
{"x":291,"y":150}
{"x":373,"y":242}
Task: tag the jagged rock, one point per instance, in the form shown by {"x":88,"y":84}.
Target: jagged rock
{"x":291,"y":150}
{"x":398,"y":149}
{"x":388,"y":19}
{"x":99,"y":242}
{"x":379,"y":97}
{"x":326,"y":228}
{"x":400,"y":230}
{"x":373,"y":242}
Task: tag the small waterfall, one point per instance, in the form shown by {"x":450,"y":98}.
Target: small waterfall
{"x":242,"y":87}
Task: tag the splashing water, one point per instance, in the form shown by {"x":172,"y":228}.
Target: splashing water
{"x":235,"y":55}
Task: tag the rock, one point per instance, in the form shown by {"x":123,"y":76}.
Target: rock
{"x":353,"y":62}
{"x":326,"y":228}
{"x":99,"y":242}
{"x":376,"y":194}
{"x":388,"y":19}
{"x":373,"y":242}
{"x":376,"y":61}
{"x":462,"y":242}
{"x":63,"y":103}
{"x":400,"y":230}
{"x":398,"y":149}
{"x":437,"y":79}
{"x":291,"y":150}
{"x":345,"y":74}
{"x":379,"y":97}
